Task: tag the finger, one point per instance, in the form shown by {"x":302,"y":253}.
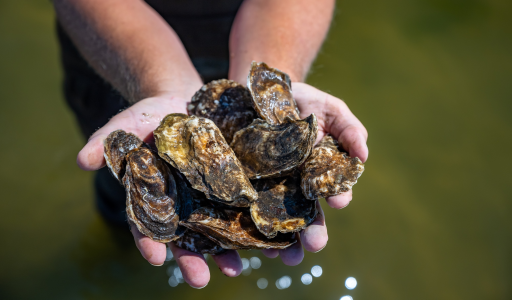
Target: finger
{"x":353,"y":139}
{"x":229,"y":263}
{"x":152,"y":251}
{"x":314,"y":237}
{"x":340,"y":201}
{"x":292,"y":255}
{"x":192,"y":265}
{"x":270,"y":253}
{"x":334,"y":117}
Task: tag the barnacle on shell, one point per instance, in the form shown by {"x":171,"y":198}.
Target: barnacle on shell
{"x":329,"y":171}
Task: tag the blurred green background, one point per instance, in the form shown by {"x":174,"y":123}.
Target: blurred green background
{"x":431,"y":215}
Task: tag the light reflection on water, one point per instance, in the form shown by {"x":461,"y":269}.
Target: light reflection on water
{"x":346,"y":298}
{"x":262,"y":283}
{"x":306,"y":279}
{"x":255,"y":262}
{"x":351,"y":283}
{"x":316,"y":271}
{"x":284,"y":282}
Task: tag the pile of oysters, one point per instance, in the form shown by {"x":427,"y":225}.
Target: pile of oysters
{"x":241,"y":172}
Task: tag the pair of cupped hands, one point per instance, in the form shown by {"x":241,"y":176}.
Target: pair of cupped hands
{"x":334,"y":117}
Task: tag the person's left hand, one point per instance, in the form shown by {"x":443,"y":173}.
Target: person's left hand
{"x":334,"y":118}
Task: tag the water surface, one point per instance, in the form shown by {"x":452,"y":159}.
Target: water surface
{"x":430,"y":219}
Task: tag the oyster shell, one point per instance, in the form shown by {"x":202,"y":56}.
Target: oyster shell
{"x":195,"y":147}
{"x":328,"y":171}
{"x":151,"y":197}
{"x":281,"y":207}
{"x":117,"y":144}
{"x":196,"y":242}
{"x":234,"y":229}
{"x":272,"y":150}
{"x":272,"y":94}
{"x":227,"y":103}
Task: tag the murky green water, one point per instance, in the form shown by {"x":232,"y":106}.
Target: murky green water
{"x":430,"y":79}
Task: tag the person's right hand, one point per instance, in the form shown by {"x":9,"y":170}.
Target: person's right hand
{"x":141,"y":119}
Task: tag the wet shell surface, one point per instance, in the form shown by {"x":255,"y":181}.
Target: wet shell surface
{"x":272,"y":150}
{"x":227,"y":103}
{"x":234,"y":229}
{"x":281,"y":207}
{"x":151,"y":195}
{"x":329,"y":171}
{"x":117,"y":144}
{"x":195,"y":147}
{"x":272,"y":94}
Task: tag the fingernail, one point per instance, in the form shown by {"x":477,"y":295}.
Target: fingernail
{"x":321,"y":249}
{"x":156,"y":265}
{"x":198,"y":288}
{"x":344,"y":206}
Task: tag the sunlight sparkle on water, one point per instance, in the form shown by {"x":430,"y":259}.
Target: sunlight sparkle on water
{"x":178,"y":275}
{"x":351,"y":283}
{"x":255,"y":262}
{"x":245,"y":263}
{"x":169,"y":256}
{"x":306,"y":279}
{"x":316,"y":271}
{"x":262,"y":283}
{"x":173,"y":282}
{"x":284,"y":282}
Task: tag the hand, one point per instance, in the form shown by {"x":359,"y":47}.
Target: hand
{"x":334,"y":117}
{"x":141,"y":119}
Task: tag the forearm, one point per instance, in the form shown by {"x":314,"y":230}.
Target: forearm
{"x":130,"y":46}
{"x":285,"y":34}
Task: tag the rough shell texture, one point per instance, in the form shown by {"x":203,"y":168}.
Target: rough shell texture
{"x":281,"y":207}
{"x":328,"y":171}
{"x":234,"y":229}
{"x":196,"y":242}
{"x":151,"y":200}
{"x":117,"y":144}
{"x":272,"y":150}
{"x":272,"y":95}
{"x":195,"y":147}
{"x":227,"y":103}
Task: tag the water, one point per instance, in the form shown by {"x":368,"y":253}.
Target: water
{"x":430,"y":217}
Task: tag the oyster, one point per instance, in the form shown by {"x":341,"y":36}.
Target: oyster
{"x":151,"y":197}
{"x":234,"y":229}
{"x":272,"y":150}
{"x":117,"y":144}
{"x":227,"y":103}
{"x":272,"y":95}
{"x":196,"y":242}
{"x":281,"y":207}
{"x":328,"y":171}
{"x":195,"y":147}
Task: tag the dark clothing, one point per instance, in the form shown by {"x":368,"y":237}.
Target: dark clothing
{"x":203,"y":27}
